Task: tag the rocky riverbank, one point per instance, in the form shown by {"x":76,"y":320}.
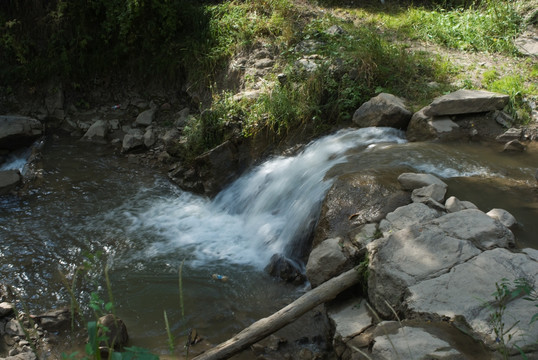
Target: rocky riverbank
{"x":444,"y":281}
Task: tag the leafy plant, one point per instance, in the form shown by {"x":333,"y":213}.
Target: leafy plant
{"x":507,"y":291}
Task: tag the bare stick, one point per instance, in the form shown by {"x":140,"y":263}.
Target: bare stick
{"x":266,"y":326}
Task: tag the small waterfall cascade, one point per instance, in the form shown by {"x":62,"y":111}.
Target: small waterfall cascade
{"x":270,"y":210}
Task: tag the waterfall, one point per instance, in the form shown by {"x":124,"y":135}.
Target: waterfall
{"x":270,"y":210}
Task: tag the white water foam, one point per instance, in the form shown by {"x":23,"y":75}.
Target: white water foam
{"x":264,"y":212}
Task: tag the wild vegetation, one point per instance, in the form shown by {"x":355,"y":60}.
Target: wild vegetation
{"x":184,"y":41}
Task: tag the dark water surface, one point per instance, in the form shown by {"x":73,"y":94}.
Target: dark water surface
{"x":92,"y":202}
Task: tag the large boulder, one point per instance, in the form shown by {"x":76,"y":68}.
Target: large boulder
{"x":18,"y":131}
{"x":426,"y":250}
{"x":465,"y":102}
{"x":456,"y":294}
{"x":405,"y":216}
{"x":353,"y":201}
{"x":423,"y":127}
{"x":410,"y":255}
{"x":97,"y":132}
{"x":145,"y":118}
{"x":383,"y":110}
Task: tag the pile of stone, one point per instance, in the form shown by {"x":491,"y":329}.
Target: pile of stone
{"x":433,"y":267}
{"x":16,"y":134}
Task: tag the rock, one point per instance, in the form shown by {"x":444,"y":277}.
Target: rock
{"x":14,"y":328}
{"x":503,"y":216}
{"x":355,"y":200}
{"x":6,"y":309}
{"x":407,"y":215}
{"x":476,"y":227}
{"x":9,"y":179}
{"x":474,"y":300}
{"x":285,"y":269}
{"x":132,"y":142}
{"x":383,"y":110}
{"x":453,"y":204}
{"x":366,"y":234}
{"x":213,"y":170}
{"x":434,"y":191}
{"x":27,"y":355}
{"x":514,"y":145}
{"x":182,"y":118}
{"x":54,"y":320}
{"x":54,"y":101}
{"x":326,"y":261}
{"x":116,"y":336}
{"x":335,"y":30}
{"x":527,"y":42}
{"x":411,"y":181}
{"x":427,"y":250}
{"x":503,"y":118}
{"x":423,"y":127}
{"x":412,"y":343}
{"x":149,"y":138}
{"x":465,"y":102}
{"x":18,"y":131}
{"x":349,"y":318}
{"x":145,"y":118}
{"x":509,"y":135}
{"x":97,"y":132}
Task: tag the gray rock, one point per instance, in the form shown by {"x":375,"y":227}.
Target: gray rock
{"x":335,"y":30}
{"x":434,"y":191}
{"x":411,"y":181}
{"x":54,"y":320}
{"x":503,"y":216}
{"x":349,"y":318}
{"x":97,"y":132}
{"x":326,"y":261}
{"x":420,"y":127}
{"x":412,"y":343}
{"x":477,"y":227}
{"x":509,"y":135}
{"x":27,"y":355}
{"x":405,"y":216}
{"x":514,"y":145}
{"x":132,"y":142}
{"x":13,"y":328}
{"x":465,"y":102}
{"x":149,"y":138}
{"x":6,"y":309}
{"x":453,"y":204}
{"x":9,"y":179}
{"x":366,"y":235}
{"x":527,"y":43}
{"x":383,"y":110}
{"x":458,"y":294}
{"x":145,"y":118}
{"x":408,"y":256}
{"x":18,"y":131}
{"x":503,"y":119}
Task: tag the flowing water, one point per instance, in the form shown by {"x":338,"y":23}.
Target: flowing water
{"x":92,"y":202}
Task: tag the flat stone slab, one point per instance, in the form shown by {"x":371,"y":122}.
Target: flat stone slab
{"x":350,"y":318}
{"x":412,"y":343}
{"x":467,"y":291}
{"x":466,"y":102}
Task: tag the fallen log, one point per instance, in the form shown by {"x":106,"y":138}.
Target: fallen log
{"x":266,"y":326}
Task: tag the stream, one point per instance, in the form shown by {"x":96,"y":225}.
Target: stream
{"x":144,"y":228}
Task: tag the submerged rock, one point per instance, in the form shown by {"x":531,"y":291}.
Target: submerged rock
{"x":9,"y":179}
{"x":285,"y":269}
